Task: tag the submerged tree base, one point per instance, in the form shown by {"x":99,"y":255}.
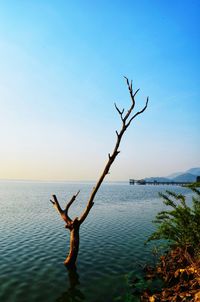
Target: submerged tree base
{"x":180,"y":271}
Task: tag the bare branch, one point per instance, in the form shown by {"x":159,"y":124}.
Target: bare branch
{"x":71,"y":201}
{"x":120,"y":112}
{"x":130,"y":88}
{"x":139,"y":112}
{"x":111,"y":157}
{"x":56,"y":204}
{"x":58,"y":207}
{"x":69,"y":204}
{"x":87,"y":210}
{"x":127,"y":81}
{"x":64,"y":213}
{"x":136,"y":92}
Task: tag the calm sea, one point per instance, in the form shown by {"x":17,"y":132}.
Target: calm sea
{"x":34,"y":242}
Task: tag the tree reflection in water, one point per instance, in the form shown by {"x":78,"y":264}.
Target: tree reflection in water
{"x":73,"y":293}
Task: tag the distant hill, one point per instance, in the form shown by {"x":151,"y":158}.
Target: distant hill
{"x":187,"y":176}
{"x":194,"y":171}
{"x":174,"y":175}
{"x":158,"y":179}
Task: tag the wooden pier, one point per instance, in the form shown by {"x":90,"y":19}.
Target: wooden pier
{"x":157,"y":183}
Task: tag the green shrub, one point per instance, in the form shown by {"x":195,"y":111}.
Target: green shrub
{"x":179,"y":223}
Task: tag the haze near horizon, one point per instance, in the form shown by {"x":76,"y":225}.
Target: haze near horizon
{"x":62,"y":68}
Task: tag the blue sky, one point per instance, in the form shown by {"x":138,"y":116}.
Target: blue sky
{"x":61,"y":69}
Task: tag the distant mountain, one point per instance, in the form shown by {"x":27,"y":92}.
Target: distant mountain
{"x":194,"y":171}
{"x":174,"y":175}
{"x":185,"y":177}
{"x":158,"y":179}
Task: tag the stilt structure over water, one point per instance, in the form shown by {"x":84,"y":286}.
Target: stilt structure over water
{"x":144,"y":182}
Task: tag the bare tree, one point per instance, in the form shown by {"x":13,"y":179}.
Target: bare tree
{"x":74,"y":224}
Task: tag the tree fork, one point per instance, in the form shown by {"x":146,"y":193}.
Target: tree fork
{"x":74,"y":224}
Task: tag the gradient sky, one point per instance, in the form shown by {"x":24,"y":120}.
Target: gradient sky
{"x":61,"y":70}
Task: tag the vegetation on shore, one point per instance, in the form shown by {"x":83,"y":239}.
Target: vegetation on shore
{"x":193,"y":185}
{"x":179,"y":268}
{"x":180,"y":272}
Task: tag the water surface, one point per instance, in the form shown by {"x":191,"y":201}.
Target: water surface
{"x":34,"y":242}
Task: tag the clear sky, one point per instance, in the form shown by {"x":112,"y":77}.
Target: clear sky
{"x":61,"y":70}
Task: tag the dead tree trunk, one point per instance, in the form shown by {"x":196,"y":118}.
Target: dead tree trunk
{"x":74,"y":224}
{"x":74,"y":245}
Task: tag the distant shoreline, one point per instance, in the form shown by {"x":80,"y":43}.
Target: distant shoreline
{"x":62,"y":181}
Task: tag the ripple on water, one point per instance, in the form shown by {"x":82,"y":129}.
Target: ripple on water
{"x":34,"y":242}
